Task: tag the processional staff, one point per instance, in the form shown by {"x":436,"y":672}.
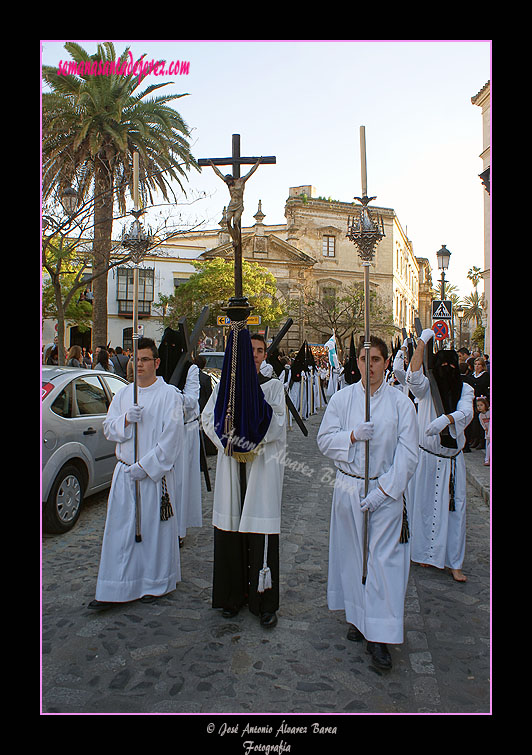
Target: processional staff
{"x":136,"y":241}
{"x":366,"y":232}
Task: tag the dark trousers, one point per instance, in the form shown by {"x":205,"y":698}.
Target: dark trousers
{"x":238,"y":559}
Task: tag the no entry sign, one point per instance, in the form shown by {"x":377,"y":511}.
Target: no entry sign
{"x":441,"y":330}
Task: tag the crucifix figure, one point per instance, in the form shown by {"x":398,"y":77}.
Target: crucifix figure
{"x":236,"y":185}
{"x":236,"y":205}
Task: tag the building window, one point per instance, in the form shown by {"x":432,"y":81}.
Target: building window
{"x":328,"y":246}
{"x":328,"y":296}
{"x":125,"y":288}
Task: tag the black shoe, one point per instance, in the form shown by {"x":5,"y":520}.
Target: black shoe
{"x":354,"y":634}
{"x":149,"y":598}
{"x":228,"y":613}
{"x":380,"y":655}
{"x":268,"y":620}
{"x":100,"y":605}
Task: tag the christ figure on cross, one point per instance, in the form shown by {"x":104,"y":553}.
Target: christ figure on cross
{"x":236,"y":205}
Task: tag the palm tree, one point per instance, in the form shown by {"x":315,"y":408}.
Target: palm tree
{"x":91,"y":125}
{"x":474,"y":274}
{"x":473,"y":307}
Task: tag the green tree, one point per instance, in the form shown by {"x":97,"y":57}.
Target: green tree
{"x":343,"y":313}
{"x":213,"y":284}
{"x":474,"y":274}
{"x":91,"y":126}
{"x":473,"y":306}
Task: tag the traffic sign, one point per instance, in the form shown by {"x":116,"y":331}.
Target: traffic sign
{"x":442,"y":310}
{"x":441,"y":330}
{"x":223,"y":320}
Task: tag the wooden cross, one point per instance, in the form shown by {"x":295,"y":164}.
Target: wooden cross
{"x":236,"y":161}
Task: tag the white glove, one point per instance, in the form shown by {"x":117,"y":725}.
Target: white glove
{"x":136,"y":472}
{"x":405,"y":343}
{"x":437,"y":425}
{"x":426,"y":335}
{"x":363,"y":431}
{"x":373,"y":500}
{"x":134,"y":414}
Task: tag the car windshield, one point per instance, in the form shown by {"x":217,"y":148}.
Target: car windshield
{"x":214,"y":360}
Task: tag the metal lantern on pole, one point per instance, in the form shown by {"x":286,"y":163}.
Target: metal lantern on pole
{"x":443,"y":256}
{"x":365,"y":230}
{"x":136,"y":241}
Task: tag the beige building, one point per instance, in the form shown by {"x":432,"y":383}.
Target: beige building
{"x":312,"y":250}
{"x":482,"y":100}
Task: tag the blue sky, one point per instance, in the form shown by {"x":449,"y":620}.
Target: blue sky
{"x":304,"y":102}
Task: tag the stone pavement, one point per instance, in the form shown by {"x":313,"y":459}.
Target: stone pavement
{"x":179,"y":655}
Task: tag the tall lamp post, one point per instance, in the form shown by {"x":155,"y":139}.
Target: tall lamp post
{"x":460,"y":313}
{"x":443,"y":256}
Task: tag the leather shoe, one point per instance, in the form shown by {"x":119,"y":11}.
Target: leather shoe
{"x":380,"y":655}
{"x":354,"y":634}
{"x":99,"y":605}
{"x":268,"y":620}
{"x":228,"y":613}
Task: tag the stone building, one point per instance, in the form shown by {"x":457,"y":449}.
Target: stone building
{"x":482,"y":99}
{"x":308,"y":252}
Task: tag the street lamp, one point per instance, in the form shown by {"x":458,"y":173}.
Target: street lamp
{"x":460,"y":312}
{"x":69,"y":200}
{"x":443,"y":256}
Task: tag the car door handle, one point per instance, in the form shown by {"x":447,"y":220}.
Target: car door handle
{"x":90,"y":431}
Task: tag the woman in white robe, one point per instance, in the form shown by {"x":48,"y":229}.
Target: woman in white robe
{"x":438,"y":535}
{"x":130,"y":569}
{"x":376,"y":609}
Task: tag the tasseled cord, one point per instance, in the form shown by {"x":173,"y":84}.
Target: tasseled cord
{"x":166,"y":505}
{"x":451,"y":485}
{"x":265,"y":576}
{"x":405,"y":531}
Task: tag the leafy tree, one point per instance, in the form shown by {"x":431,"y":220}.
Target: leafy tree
{"x":473,"y":306}
{"x":213,"y":284}
{"x":91,"y":126}
{"x":343,"y":313}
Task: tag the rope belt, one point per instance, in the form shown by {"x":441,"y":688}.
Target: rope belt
{"x":452,"y":459}
{"x":405,"y":531}
{"x":166,"y":505}
{"x":354,"y":475}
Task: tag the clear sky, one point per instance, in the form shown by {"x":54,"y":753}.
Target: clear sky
{"x":304,"y":102}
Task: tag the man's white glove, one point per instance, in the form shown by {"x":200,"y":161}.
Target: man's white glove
{"x":426,"y":335}
{"x":437,"y":425}
{"x":405,"y":343}
{"x":373,"y":500}
{"x":363,"y":431}
{"x":136,"y":472}
{"x":134,"y":414}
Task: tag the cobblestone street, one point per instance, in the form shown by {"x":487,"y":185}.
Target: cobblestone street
{"x":178,"y":655}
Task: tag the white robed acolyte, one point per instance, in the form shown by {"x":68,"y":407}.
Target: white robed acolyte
{"x":130,"y":569}
{"x":376,"y":608}
{"x":439,"y":485}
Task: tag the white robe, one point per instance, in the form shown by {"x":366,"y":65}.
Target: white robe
{"x":376,"y":608}
{"x":438,"y":535}
{"x":129,"y":570}
{"x":261,"y":512}
{"x":187,"y":468}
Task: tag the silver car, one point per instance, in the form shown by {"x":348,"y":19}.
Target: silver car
{"x":77,"y":459}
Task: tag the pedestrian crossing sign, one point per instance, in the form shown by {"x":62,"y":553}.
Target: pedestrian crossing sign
{"x":442,"y":309}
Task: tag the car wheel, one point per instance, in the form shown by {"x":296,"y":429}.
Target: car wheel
{"x":63,"y":506}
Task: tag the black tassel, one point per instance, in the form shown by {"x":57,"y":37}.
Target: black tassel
{"x":405,"y":531}
{"x":166,"y":505}
{"x":451,"y":486}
